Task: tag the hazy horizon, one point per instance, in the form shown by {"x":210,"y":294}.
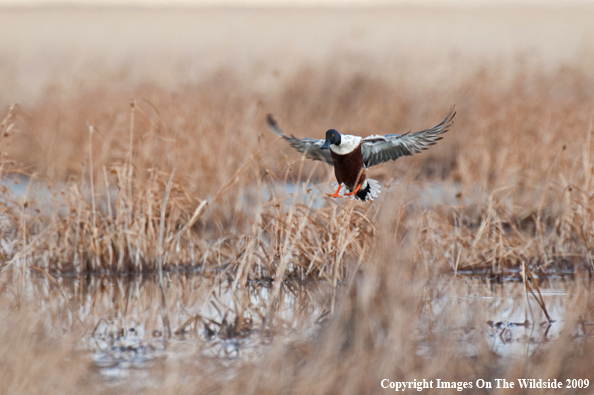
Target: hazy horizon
{"x":70,"y":47}
{"x":291,"y":3}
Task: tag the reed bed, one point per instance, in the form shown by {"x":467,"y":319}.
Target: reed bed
{"x":192,"y":181}
{"x":156,"y":222}
{"x":185,"y":178}
{"x":156,"y":237}
{"x":139,"y":220}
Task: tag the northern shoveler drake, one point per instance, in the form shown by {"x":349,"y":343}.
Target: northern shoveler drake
{"x":352,"y":155}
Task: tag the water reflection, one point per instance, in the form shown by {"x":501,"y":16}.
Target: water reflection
{"x":208,"y":318}
{"x":514,"y":323}
{"x":124,"y":332}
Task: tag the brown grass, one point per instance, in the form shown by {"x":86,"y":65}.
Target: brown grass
{"x":194,"y":180}
{"x":518,"y":157}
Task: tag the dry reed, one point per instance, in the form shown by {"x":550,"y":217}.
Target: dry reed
{"x":521,"y":194}
{"x":518,"y":157}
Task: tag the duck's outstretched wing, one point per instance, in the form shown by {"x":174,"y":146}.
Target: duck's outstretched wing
{"x":379,"y":149}
{"x":309,"y":147}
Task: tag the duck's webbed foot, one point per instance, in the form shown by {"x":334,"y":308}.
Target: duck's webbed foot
{"x":336,"y":195}
{"x":354,"y":192}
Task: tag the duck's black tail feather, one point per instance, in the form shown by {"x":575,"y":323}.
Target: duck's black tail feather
{"x":371,"y":190}
{"x":363,"y":192}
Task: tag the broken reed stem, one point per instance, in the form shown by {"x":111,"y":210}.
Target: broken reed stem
{"x":94,"y":211}
{"x":110,"y":216}
{"x":283,"y":261}
{"x":164,"y":312}
{"x":533,"y":286}
{"x":5,"y":128}
{"x":76,"y":253}
{"x":107,"y":194}
{"x":24,"y":206}
{"x":192,"y":221}
{"x":526,"y":304}
{"x":130,"y":150}
{"x":128,"y":203}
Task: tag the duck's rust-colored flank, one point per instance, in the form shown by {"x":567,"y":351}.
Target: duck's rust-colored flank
{"x":349,"y":169}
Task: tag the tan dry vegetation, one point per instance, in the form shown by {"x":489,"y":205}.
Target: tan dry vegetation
{"x":518,"y":155}
{"x":193,"y":179}
{"x":388,"y":324}
{"x":292,"y":292}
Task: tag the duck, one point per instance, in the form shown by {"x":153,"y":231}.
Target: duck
{"x":352,"y":156}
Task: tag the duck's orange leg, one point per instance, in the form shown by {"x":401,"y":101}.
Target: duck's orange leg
{"x":355,"y":191}
{"x":336,"y":195}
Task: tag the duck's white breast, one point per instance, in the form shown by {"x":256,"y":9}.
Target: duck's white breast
{"x":347,"y":145}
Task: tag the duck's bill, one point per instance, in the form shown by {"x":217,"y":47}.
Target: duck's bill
{"x":326,"y":145}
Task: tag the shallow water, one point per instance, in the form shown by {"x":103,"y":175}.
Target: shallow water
{"x":125,"y":336}
{"x":425,"y":195}
{"x":514,"y":323}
